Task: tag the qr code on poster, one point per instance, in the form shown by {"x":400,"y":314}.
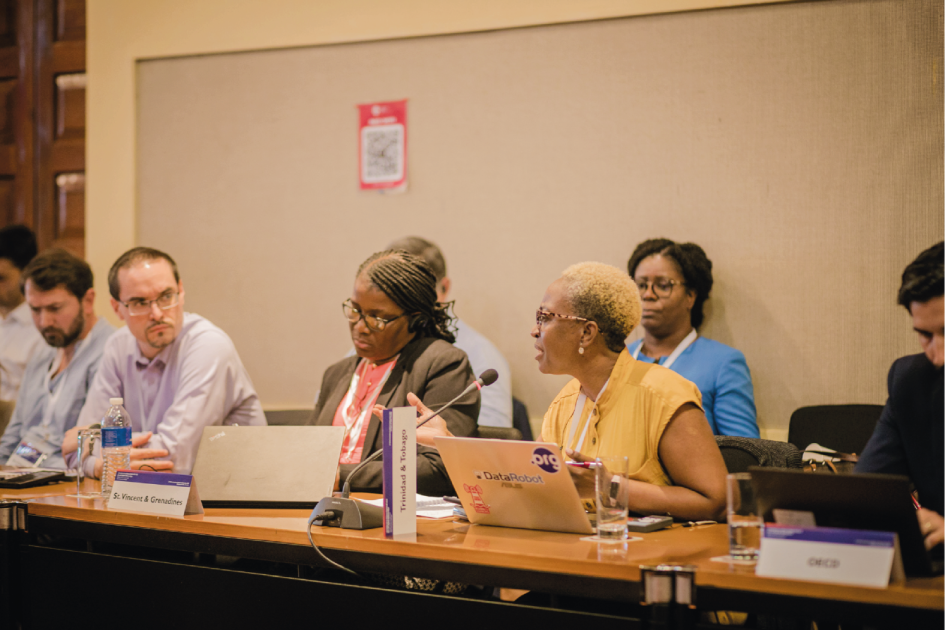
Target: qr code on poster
{"x":382,"y":153}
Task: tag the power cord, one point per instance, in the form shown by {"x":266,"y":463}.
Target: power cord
{"x":327,"y":515}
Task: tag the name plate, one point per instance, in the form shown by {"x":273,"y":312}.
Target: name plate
{"x":154,"y":493}
{"x":826,"y":554}
{"x":400,"y":472}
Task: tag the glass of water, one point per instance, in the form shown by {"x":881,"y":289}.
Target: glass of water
{"x":745,"y":524}
{"x":611,"y":505}
{"x":87,"y":487}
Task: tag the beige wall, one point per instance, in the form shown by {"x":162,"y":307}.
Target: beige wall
{"x":122,"y":32}
{"x":800,"y":144}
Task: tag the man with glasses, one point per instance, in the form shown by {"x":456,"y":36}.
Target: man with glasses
{"x":177,"y":372}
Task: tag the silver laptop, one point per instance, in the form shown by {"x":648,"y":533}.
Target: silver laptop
{"x":514,"y":484}
{"x":267,"y":467}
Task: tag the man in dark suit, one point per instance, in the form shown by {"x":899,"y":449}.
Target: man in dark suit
{"x":908,"y":439}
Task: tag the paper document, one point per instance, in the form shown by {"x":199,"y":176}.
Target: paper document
{"x":427,"y":507}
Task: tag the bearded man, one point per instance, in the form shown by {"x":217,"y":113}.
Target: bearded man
{"x":59,"y":293}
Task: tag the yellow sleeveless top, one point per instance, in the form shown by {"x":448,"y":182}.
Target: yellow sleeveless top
{"x":629,"y":419}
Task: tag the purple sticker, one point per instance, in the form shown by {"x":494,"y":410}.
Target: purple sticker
{"x":154,"y":478}
{"x":834,"y":535}
{"x":546,"y":460}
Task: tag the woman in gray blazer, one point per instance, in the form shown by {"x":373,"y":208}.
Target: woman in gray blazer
{"x":403,"y":341}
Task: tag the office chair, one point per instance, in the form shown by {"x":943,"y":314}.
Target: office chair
{"x":520,"y":419}
{"x":498,"y":433}
{"x":288,"y":417}
{"x":844,"y":428}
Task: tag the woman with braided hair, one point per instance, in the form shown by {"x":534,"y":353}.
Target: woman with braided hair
{"x":674,"y":280}
{"x":404,"y":355}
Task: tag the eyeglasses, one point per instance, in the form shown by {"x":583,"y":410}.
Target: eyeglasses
{"x":542,"y":317}
{"x":377,"y":324}
{"x":137,"y":307}
{"x":662,"y":288}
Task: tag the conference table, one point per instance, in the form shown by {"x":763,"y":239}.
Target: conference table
{"x":256,"y":567}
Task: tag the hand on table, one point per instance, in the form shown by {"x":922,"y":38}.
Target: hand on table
{"x":933,"y":527}
{"x":142,"y":458}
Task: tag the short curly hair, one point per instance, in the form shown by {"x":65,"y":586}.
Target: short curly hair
{"x":695,"y":266}
{"x":605,"y":295}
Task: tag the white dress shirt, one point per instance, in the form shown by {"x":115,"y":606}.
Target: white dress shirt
{"x":19,"y":339}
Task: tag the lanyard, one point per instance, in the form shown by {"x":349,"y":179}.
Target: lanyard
{"x":354,"y":424}
{"x":576,"y":418}
{"x":685,"y":343}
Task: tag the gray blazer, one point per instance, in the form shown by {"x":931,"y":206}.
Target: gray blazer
{"x":434,"y":370}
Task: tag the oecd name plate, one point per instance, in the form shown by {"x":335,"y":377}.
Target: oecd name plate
{"x":827,"y":554}
{"x":154,"y":493}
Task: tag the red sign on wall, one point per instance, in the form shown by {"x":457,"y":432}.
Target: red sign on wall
{"x":382,"y":145}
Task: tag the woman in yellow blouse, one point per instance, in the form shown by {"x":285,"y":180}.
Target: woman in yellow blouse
{"x":619,"y":406}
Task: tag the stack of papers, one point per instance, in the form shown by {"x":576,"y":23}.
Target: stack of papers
{"x":427,"y":507}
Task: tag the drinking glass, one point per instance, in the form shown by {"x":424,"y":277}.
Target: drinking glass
{"x":745,"y":524}
{"x":611,"y":505}
{"x":87,"y":487}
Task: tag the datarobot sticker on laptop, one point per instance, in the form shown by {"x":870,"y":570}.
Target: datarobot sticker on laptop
{"x":541,"y":457}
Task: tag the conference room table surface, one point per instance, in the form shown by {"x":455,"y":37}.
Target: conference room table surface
{"x":518,"y":553}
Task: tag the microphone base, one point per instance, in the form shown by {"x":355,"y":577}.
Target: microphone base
{"x":354,"y":514}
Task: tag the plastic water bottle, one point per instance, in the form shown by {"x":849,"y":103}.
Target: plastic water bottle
{"x":116,"y":443}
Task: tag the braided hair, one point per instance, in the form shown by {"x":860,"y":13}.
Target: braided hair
{"x":695,"y":266}
{"x":411,"y":284}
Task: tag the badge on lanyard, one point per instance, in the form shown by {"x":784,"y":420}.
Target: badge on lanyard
{"x":32,"y":450}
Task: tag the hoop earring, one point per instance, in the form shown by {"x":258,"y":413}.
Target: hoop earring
{"x":581,"y":350}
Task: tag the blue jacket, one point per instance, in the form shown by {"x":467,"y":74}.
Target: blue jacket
{"x":721,"y":374}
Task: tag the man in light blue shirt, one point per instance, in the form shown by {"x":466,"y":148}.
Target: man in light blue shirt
{"x":496,"y":409}
{"x":58,"y":289}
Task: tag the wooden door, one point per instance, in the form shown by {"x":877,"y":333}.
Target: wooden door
{"x":42,"y":119}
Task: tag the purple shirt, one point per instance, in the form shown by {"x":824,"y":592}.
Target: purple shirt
{"x":198,"y":381}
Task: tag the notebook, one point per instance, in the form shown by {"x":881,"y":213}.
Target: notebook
{"x":267,"y":467}
{"x":514,"y":484}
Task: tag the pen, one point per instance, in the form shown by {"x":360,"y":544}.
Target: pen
{"x":914,"y":502}
{"x":695,"y":523}
{"x":582,"y":464}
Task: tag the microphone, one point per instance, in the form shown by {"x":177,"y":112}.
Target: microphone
{"x":370,"y":515}
{"x":486,"y":378}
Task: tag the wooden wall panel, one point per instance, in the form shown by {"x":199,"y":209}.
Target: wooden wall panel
{"x":60,"y":118}
{"x":70,"y":107}
{"x":70,"y":212}
{"x":42,"y":118}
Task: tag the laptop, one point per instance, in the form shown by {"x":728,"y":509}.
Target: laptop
{"x":510,"y":483}
{"x":267,"y":467}
{"x":852,"y":501}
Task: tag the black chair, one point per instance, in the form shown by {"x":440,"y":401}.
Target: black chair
{"x":520,"y":419}
{"x":740,"y":452}
{"x":498,"y":433}
{"x":844,"y":428}
{"x":288,"y":417}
